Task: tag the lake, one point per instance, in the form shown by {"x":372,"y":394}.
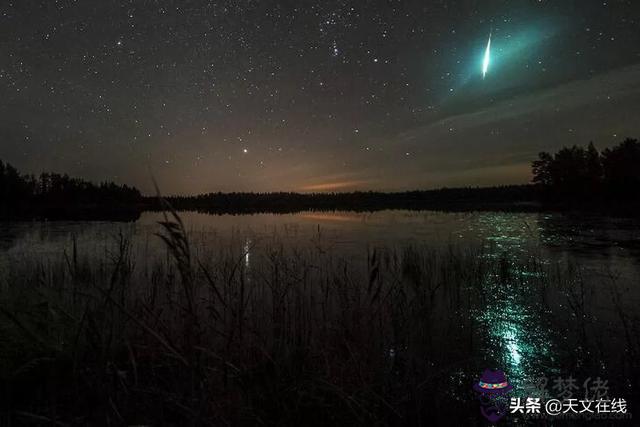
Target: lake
{"x":598,"y":244}
{"x":584,"y":329}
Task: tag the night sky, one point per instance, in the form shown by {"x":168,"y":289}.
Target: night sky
{"x":252,"y":95}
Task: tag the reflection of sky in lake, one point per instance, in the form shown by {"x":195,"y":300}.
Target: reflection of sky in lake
{"x":513,"y":326}
{"x":597,"y":238}
{"x":516,"y":338}
{"x":247,"y":252}
{"x":599,"y":245}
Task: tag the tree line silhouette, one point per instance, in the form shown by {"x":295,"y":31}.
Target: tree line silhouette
{"x":572,"y":177}
{"x":580,"y":173}
{"x":508,"y":197}
{"x":51,"y":194}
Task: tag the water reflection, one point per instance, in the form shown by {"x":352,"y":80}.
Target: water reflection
{"x":332,"y":217}
{"x":247,"y":252}
{"x":513,"y":324}
{"x":515,"y":337}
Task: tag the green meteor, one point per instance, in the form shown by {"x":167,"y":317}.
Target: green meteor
{"x":487,"y":54}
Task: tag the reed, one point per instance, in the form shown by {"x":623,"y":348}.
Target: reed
{"x":299,"y":336}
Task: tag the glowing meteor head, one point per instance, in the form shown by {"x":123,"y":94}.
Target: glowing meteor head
{"x":487,"y":55}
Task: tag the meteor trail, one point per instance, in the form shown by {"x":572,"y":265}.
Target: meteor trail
{"x":487,"y":54}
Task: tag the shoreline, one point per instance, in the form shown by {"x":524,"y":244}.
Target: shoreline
{"x":132,"y":213}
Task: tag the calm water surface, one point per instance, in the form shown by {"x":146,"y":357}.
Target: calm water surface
{"x":510,"y":328}
{"x":597,"y":243}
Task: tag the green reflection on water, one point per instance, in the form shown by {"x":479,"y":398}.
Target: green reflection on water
{"x":509,"y":341}
{"x":514,"y":335}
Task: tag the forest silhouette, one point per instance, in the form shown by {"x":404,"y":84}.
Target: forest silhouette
{"x":51,"y":195}
{"x":572,"y":178}
{"x":580,"y":173}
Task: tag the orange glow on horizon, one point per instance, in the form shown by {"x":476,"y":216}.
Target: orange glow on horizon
{"x":331,"y":217}
{"x":333,"y":186}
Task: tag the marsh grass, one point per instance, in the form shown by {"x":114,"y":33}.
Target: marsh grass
{"x":294,"y":337}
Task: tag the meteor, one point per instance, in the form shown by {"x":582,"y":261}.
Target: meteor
{"x":487,"y":54}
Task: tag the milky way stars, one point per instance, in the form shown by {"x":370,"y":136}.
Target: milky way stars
{"x":251,"y":95}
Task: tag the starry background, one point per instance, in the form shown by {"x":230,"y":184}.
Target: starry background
{"x":252,"y":95}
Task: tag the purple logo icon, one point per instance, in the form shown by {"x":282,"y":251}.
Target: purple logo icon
{"x":492,"y":390}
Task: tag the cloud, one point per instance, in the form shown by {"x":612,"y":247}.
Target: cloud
{"x":621,"y":83}
{"x":500,"y":139}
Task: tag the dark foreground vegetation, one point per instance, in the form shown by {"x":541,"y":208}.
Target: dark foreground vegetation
{"x":299,"y":337}
{"x":574,"y":178}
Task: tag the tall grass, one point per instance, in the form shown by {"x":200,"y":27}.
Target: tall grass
{"x":297,"y":337}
